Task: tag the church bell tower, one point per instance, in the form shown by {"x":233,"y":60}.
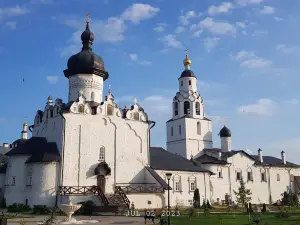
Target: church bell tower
{"x":189,"y":131}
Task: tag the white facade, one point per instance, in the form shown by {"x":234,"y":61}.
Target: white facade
{"x":88,"y":130}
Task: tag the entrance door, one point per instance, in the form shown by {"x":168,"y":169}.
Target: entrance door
{"x":101,"y":182}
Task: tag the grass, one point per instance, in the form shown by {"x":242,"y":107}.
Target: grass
{"x":235,"y":219}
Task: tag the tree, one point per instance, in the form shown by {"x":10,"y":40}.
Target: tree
{"x":197,"y":197}
{"x":243,"y":195}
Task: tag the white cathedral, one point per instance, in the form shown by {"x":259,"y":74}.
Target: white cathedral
{"x":91,"y":149}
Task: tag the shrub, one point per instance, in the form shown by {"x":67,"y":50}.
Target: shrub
{"x":283,"y":212}
{"x":16,"y":207}
{"x":41,"y":209}
{"x":86,"y":208}
{"x":191,"y":212}
{"x":203,"y":204}
{"x":264,"y":208}
{"x":208,"y":205}
{"x":255,"y":218}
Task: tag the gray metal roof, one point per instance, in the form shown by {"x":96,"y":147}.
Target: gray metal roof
{"x":37,"y":148}
{"x":160,"y":159}
{"x":267,"y":160}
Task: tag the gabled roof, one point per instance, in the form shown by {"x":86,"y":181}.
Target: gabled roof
{"x":160,"y":159}
{"x":158,"y":178}
{"x":267,"y":160}
{"x":38,"y":149}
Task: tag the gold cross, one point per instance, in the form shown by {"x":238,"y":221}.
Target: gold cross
{"x":87,"y":17}
{"x":225,"y":119}
{"x":81,"y":92}
{"x":186,"y":52}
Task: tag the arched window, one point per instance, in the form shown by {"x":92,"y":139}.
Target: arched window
{"x":186,"y":107}
{"x":197,"y":108}
{"x":176,"y":108}
{"x":179,"y":129}
{"x":102,"y":154}
{"x":220,"y":175}
{"x":81,"y":108}
{"x":198,"y":128}
{"x":136,"y":116}
{"x":190,"y":82}
{"x":263,"y":175}
{"x":110,"y":110}
{"x":181,"y":83}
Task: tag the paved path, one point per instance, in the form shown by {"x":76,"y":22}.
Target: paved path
{"x":109,"y":220}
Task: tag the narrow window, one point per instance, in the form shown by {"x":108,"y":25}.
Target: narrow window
{"x":102,"y":154}
{"x":197,"y":108}
{"x":81,"y":108}
{"x":29,"y":179}
{"x":192,"y":186}
{"x":171,"y":131}
{"x":263,"y":176}
{"x":181,"y":83}
{"x":249,"y":176}
{"x":110,"y":110}
{"x":186,"y":106}
{"x":136,"y":116}
{"x":190,"y":82}
{"x":179,"y":129}
{"x":198,"y":128}
{"x":176,"y":108}
{"x":238,"y":175}
{"x":278,"y":177}
{"x":220,"y":175}
{"x":13,"y":181}
{"x":177,"y":186}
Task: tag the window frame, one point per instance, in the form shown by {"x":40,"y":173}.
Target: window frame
{"x":102,"y":154}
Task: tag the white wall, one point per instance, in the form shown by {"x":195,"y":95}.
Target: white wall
{"x":124,"y":142}
{"x":88,"y":84}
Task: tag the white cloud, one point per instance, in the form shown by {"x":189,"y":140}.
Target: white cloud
{"x":264,"y":107}
{"x":247,"y":2}
{"x":160,"y":27}
{"x":285,"y":49}
{"x":171,"y":41}
{"x":292,"y":101}
{"x":267,"y":10}
{"x":243,"y":54}
{"x":179,"y":29}
{"x":210,"y":43}
{"x":217,"y":27}
{"x":125,"y":99}
{"x":42,"y":1}
{"x":197,"y":33}
{"x":157,"y":105}
{"x":133,"y":57}
{"x":241,"y":25}
{"x":224,"y":7}
{"x":138,"y":12}
{"x":13,"y":11}
{"x":256,"y":63}
{"x":52,"y":79}
{"x":258,"y":33}
{"x":184,"y":19}
{"x":278,"y":18}
{"x":12,"y":25}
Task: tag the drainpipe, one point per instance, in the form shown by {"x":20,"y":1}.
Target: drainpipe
{"x":205,"y":186}
{"x":152,"y":125}
{"x":229,"y":178}
{"x":269,"y":186}
{"x":62,"y":150}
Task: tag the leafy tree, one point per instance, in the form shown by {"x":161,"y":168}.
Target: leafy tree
{"x":243,"y":195}
{"x":289,"y":198}
{"x":197,"y":197}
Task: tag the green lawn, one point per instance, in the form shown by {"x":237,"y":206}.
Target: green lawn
{"x":235,"y":219}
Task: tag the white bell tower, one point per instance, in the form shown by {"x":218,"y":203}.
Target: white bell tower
{"x":189,"y":131}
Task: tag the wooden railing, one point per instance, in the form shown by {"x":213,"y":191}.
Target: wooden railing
{"x":120,"y":191}
{"x":128,"y":188}
{"x":83,"y":190}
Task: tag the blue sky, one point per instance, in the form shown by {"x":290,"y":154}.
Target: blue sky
{"x":245,"y":54}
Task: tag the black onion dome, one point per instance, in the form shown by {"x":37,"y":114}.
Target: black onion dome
{"x":86,"y":62}
{"x":225,"y":132}
{"x":187,"y":73}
